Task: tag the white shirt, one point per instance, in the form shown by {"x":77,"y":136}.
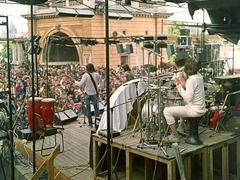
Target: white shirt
{"x":87,"y":82}
{"x":194,"y":94}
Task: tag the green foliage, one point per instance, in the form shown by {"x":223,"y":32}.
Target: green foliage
{"x":174,"y":28}
{"x":4,"y":51}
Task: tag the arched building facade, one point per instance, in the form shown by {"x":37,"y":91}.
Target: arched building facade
{"x":62,"y":35}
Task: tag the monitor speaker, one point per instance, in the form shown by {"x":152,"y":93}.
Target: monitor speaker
{"x":65,"y":116}
{"x":119,"y":48}
{"x":129,"y":48}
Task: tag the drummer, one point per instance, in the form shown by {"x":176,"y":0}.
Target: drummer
{"x":194,"y":96}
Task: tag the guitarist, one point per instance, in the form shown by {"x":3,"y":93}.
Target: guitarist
{"x":128,"y":74}
{"x":91,"y":80}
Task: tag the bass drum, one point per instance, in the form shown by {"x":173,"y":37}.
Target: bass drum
{"x":171,"y":98}
{"x":149,"y":108}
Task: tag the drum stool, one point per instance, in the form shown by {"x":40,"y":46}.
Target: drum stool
{"x":193,"y":137}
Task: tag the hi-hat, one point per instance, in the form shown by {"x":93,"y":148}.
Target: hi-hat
{"x":223,"y":87}
{"x":179,"y":64}
{"x":149,"y":68}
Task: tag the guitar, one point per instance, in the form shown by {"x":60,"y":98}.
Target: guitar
{"x":116,"y":76}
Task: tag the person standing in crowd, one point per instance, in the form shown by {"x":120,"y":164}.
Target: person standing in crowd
{"x":128,"y":74}
{"x":91,"y":80}
{"x":194,"y":96}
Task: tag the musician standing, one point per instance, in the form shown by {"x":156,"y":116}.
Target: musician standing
{"x":194,"y":96}
{"x":128,"y":74}
{"x":91,"y":80}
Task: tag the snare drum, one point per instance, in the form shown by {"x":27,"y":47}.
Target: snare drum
{"x":37,"y":110}
{"x":48,"y":110}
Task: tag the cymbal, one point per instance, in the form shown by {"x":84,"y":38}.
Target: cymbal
{"x":222,"y":87}
{"x":180,"y":63}
{"x":154,"y":88}
{"x":150,"y":67}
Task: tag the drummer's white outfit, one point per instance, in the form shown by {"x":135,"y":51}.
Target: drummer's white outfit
{"x":194,"y":96}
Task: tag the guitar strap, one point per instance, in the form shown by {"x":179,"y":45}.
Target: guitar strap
{"x":95,"y":86}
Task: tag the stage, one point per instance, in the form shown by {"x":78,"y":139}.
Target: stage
{"x":217,"y":158}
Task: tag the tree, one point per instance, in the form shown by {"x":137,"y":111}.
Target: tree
{"x":175,"y":27}
{"x":4,"y":51}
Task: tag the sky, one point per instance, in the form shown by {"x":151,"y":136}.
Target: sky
{"x":182,"y":14}
{"x":14,"y":12}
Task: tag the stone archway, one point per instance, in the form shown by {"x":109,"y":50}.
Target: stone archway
{"x":62,"y":49}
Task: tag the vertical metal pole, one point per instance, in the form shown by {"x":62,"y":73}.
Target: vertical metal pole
{"x":33,"y":90}
{"x":10,"y":105}
{"x":36,"y":64}
{"x":109,"y":164}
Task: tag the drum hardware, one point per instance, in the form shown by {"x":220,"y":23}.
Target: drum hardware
{"x":220,"y":124}
{"x":209,"y":89}
{"x":151,"y":128}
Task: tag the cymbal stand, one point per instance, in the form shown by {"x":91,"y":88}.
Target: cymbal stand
{"x":143,"y":144}
{"x":219,"y":124}
{"x":150,"y":125}
{"x":160,"y":120}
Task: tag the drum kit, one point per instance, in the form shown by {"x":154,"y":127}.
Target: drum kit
{"x":164,"y":94}
{"x":43,"y":107}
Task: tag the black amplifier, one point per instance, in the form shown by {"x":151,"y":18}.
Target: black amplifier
{"x":232,"y":100}
{"x":234,"y":79}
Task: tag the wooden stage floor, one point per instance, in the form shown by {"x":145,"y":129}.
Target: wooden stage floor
{"x":74,"y":161}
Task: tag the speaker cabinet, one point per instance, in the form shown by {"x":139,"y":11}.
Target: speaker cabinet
{"x":129,"y":48}
{"x":170,"y":50}
{"x":184,"y":40}
{"x":230,"y":120}
{"x":119,"y":48}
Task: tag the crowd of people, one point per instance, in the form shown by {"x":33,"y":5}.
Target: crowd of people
{"x":73,"y":85}
{"x":62,"y":84}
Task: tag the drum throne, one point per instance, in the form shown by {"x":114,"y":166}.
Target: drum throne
{"x":193,"y":136}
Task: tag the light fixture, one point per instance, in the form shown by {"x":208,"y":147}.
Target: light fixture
{"x":162,"y":37}
{"x":162,"y":44}
{"x":29,"y":1}
{"x":37,"y":37}
{"x":148,"y":45}
{"x":36,"y":50}
{"x":148,"y":37}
